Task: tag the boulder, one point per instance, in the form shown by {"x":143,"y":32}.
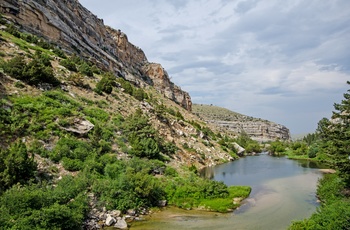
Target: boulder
{"x":121,"y":224}
{"x":115,"y":213}
{"x":80,"y":126}
{"x":162,"y":203}
{"x":110,"y":220}
{"x":131,"y":212}
{"x":240,"y":149}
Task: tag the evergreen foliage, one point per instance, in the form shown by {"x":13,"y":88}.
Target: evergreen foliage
{"x":142,"y":136}
{"x":15,"y":166}
{"x":106,"y":84}
{"x":335,"y":136}
{"x":38,"y":70}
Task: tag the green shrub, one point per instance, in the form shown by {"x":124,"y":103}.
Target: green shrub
{"x":85,"y":69}
{"x":97,"y":114}
{"x":44,"y":206}
{"x":105,"y":84}
{"x":139,"y":94}
{"x":15,"y":67}
{"x":130,"y":188}
{"x":71,"y":148}
{"x":59,"y":52}
{"x":194,"y":192}
{"x":171,"y":172}
{"x":142,"y":136}
{"x":277,"y":148}
{"x":11,"y":29}
{"x":313,"y":150}
{"x":15,"y":166}
{"x":37,"y":71}
{"x":169,"y":148}
{"x":72,"y":164}
{"x":70,"y":65}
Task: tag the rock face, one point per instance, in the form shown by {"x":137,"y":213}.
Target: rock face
{"x":258,"y":129}
{"x":163,"y":84}
{"x":73,"y":27}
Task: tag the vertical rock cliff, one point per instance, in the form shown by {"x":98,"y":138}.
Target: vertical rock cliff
{"x":74,"y":28}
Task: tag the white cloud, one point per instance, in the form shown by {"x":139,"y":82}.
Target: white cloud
{"x":283,"y":61}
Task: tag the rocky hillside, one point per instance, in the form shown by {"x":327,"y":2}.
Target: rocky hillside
{"x":258,"y":129}
{"x":19,"y":58}
{"x":68,"y":24}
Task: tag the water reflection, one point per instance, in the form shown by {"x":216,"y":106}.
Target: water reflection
{"x":282,"y":190}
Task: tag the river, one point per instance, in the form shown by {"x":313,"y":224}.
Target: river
{"x":283,"y":190}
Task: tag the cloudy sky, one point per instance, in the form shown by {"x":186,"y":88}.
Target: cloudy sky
{"x":285,"y":61}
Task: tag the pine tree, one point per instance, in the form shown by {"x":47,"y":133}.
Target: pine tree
{"x":335,"y":134}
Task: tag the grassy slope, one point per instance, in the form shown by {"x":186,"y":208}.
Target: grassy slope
{"x":102,"y":156}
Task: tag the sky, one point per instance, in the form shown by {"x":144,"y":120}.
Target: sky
{"x":284,"y":61}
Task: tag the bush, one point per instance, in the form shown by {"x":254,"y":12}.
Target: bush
{"x":71,"y":148}
{"x":142,"y":136}
{"x":128,"y":88}
{"x":277,"y":148}
{"x":139,"y":94}
{"x":169,"y":148}
{"x":106,"y":84}
{"x":44,"y":206}
{"x":194,"y":192}
{"x":15,"y":67}
{"x":37,"y":71}
{"x":11,"y":29}
{"x":72,"y":164}
{"x":15,"y":166}
{"x":59,"y":52}
{"x":128,"y":187}
{"x":77,"y":80}
{"x":95,"y":113}
{"x":85,"y":69}
{"x":313,"y":150}
{"x":70,"y":65}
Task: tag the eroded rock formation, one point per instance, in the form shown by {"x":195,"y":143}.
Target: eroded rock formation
{"x":163,"y":84}
{"x":258,"y":129}
{"x":74,"y":28}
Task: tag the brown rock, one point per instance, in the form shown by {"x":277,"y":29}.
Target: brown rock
{"x":77,"y":30}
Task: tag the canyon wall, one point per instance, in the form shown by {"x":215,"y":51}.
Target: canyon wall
{"x":258,"y":129}
{"x":74,"y":28}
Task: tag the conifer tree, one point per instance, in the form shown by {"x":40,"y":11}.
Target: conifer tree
{"x":335,"y":134}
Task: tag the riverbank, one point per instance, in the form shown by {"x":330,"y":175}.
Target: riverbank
{"x":334,"y":212}
{"x":281,"y":188}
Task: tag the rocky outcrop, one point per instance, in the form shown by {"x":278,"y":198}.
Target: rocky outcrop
{"x":70,"y":25}
{"x":79,"y":126}
{"x":258,"y":129}
{"x":261,"y":131}
{"x":163,"y":84}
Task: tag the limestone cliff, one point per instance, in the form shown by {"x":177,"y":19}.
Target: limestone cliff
{"x":70,"y":25}
{"x":258,"y":129}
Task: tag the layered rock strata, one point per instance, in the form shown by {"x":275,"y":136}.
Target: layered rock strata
{"x":77,"y":30}
{"x":258,"y":129}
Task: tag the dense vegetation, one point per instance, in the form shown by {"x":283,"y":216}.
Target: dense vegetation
{"x":330,"y":144}
{"x":49,"y":175}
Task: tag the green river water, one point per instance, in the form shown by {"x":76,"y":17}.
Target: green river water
{"x":283,"y":190}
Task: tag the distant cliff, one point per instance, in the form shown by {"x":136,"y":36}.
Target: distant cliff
{"x":258,"y":129}
{"x":74,"y":28}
